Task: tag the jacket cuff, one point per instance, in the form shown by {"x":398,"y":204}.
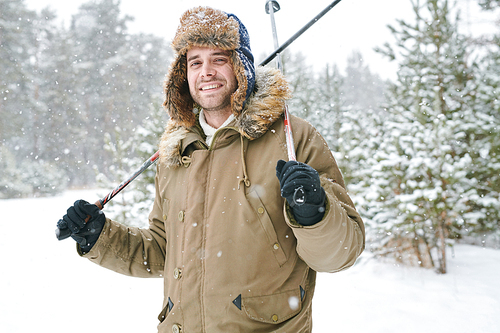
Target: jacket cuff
{"x":98,"y":243}
{"x":292,"y":221}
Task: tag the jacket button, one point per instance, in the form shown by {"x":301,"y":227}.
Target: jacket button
{"x":164,"y":217}
{"x":274,"y":318}
{"x":276,"y":246}
{"x":260,"y":210}
{"x":177,"y":273}
{"x":176,"y":328}
{"x":181,"y":216}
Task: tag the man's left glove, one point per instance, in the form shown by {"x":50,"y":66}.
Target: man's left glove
{"x":84,"y":233}
{"x":296,"y":176}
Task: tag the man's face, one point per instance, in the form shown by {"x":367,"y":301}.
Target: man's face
{"x":211,"y":78}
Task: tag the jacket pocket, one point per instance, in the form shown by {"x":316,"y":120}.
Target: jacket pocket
{"x":268,"y":226}
{"x":275,"y":308}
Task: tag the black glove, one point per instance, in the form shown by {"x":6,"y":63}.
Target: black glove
{"x":84,"y":233}
{"x":299,"y":179}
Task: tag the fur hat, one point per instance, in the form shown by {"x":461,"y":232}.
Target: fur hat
{"x":208,"y":27}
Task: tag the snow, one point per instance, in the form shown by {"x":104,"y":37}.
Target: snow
{"x":47,"y":287}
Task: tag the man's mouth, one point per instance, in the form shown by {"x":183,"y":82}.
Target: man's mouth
{"x":210,"y":87}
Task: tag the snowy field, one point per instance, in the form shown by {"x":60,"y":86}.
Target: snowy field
{"x":46,"y":287}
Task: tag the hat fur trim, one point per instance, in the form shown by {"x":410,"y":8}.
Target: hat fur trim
{"x":203,"y":27}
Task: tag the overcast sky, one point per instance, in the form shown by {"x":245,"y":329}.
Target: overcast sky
{"x":351,"y":25}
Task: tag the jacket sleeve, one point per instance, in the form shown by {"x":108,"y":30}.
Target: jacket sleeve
{"x":129,"y":250}
{"x":334,"y":243}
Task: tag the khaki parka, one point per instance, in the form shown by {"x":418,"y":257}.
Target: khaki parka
{"x":223,"y":239}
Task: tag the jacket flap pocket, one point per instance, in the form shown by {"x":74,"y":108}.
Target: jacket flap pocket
{"x":166,"y":309}
{"x":163,"y":314}
{"x":268,"y":227}
{"x":273,"y":309}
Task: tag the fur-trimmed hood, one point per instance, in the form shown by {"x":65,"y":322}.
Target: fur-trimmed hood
{"x":264,"y":107}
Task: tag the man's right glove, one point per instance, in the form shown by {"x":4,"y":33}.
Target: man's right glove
{"x":84,"y":233}
{"x":296,"y":176}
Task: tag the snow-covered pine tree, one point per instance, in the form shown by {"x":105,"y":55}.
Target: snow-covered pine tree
{"x":133,"y":204}
{"x":56,"y":123}
{"x":118,"y":79}
{"x":363,"y":89}
{"x":43,"y":177}
{"x":99,"y":26}
{"x":484,"y":221}
{"x":119,"y":147}
{"x":11,"y":182}
{"x":330,"y":105}
{"x":422,"y":172}
{"x":147,"y":137}
{"x":354,"y":115}
{"x":16,"y":89}
{"x":302,"y":83}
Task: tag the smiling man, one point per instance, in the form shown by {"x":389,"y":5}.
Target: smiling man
{"x":236,"y":253}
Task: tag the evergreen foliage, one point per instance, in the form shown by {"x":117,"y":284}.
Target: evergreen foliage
{"x":11,"y":182}
{"x":63,"y":89}
{"x":424,"y":190}
{"x":31,"y":178}
{"x":16,"y":49}
{"x":132,"y":206}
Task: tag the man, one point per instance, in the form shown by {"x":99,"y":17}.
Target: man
{"x":236,"y":252}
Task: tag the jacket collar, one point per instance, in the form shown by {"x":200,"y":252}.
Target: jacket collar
{"x":264,"y":107}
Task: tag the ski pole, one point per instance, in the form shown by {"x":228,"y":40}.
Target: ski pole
{"x":272,"y":6}
{"x":65,"y":233}
{"x":298,"y":33}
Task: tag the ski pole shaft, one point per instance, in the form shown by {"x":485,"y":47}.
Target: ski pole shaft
{"x":272,"y":7}
{"x":65,"y":233}
{"x":298,"y":33}
{"x":299,"y":195}
{"x":120,"y":187}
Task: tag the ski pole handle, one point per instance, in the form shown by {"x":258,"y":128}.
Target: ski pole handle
{"x":65,"y":233}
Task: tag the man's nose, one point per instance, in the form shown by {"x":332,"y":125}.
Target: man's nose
{"x":208,"y":70}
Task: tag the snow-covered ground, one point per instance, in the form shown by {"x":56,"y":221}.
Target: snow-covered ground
{"x":46,"y":287}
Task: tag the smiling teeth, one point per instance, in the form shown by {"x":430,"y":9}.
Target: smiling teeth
{"x":213,"y":86}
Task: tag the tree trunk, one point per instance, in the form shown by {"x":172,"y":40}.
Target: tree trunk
{"x":442,"y":241}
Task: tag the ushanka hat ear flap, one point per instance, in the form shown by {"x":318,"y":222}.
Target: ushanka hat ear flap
{"x":207,"y":27}
{"x":244,"y":69}
{"x":178,"y":101}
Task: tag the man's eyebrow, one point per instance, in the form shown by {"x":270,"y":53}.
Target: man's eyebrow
{"x":224,"y":53}
{"x":193,"y":57}
{"x":217,"y":53}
